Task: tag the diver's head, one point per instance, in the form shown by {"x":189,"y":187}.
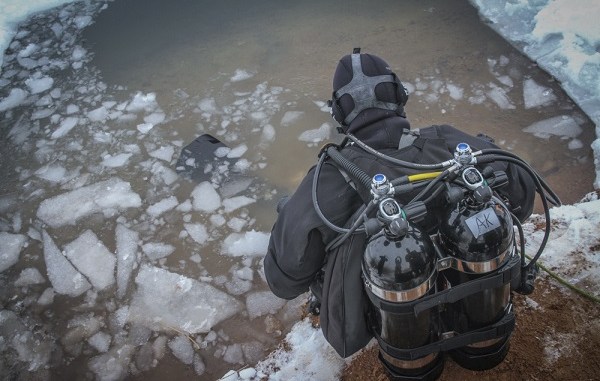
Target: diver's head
{"x":364,"y":88}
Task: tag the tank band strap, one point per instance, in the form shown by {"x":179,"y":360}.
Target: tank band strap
{"x":509,"y":273}
{"x":471,"y":267}
{"x":500,"y":329}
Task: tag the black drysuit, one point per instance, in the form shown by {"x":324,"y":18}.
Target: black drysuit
{"x":296,"y":252}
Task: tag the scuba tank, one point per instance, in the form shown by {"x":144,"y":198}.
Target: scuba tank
{"x":399,"y":266}
{"x":477,"y":235}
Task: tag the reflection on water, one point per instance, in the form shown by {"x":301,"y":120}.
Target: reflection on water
{"x":254,"y":74}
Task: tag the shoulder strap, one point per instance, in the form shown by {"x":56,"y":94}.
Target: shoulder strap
{"x":408,"y":138}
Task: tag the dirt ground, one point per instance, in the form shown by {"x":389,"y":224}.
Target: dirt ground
{"x":556,"y":337}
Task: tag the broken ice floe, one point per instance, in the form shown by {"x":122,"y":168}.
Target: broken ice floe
{"x":536,"y":95}
{"x":64,"y":277}
{"x":564,"y":126}
{"x":105,"y":196}
{"x":317,"y":135}
{"x":127,"y":247}
{"x":167,"y":301}
{"x":89,"y":255}
{"x":10,"y":249}
{"x":252,"y":243}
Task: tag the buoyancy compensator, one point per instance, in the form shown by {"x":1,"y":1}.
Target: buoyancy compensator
{"x":446,"y":292}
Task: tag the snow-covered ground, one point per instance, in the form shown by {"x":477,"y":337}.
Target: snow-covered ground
{"x":128,"y":177}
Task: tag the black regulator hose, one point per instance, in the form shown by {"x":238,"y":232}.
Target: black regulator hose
{"x":316,"y":206}
{"x":429,"y":186}
{"x":352,"y":169}
{"x":402,"y":163}
{"x":496,"y":151}
{"x":540,"y":189}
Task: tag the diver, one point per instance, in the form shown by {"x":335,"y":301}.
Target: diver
{"x":368,"y":102}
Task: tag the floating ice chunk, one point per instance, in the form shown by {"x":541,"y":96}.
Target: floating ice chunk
{"x":29,"y":276}
{"x":291,"y":117}
{"x":98,"y":115}
{"x":100,"y":341}
{"x":316,"y":135}
{"x":104,"y":196}
{"x":114,"y":365}
{"x":127,"y":246}
{"x":72,"y":109}
{"x":163,"y":206}
{"x":252,"y":243}
{"x":247,"y":374}
{"x":197,"y":232}
{"x":182,"y":349}
{"x":199,"y":366}
{"x":241,"y":75}
{"x":65,"y":126}
{"x":185,"y":206}
{"x":236,"y":224}
{"x":233,"y":187}
{"x":536,"y":95}
{"x":575,"y":144}
{"x":455,"y":92}
{"x":234,"y":354}
{"x":155,"y":118}
{"x":105,"y":138}
{"x":237,"y":151}
{"x":164,"y":153}
{"x":64,"y":277}
{"x":242,"y":165}
{"x":78,"y":53}
{"x":259,"y":115}
{"x":42,"y":113}
{"x":144,"y":127}
{"x":89,"y":255}
{"x":234,"y":203}
{"x":142,"y":102}
{"x":564,"y":126}
{"x":262,"y":303}
{"x":15,"y":98}
{"x":217,"y":220}
{"x":47,"y":297}
{"x":268,"y":134}
{"x":208,"y":105}
{"x":53,"y":173}
{"x":116,"y":161}
{"x":28,"y":50}
{"x":157,"y":250}
{"x":498,"y":95}
{"x":222,"y":151}
{"x":205,"y":197}
{"x":167,"y":175}
{"x":10,"y":249}
{"x":167,"y":300}
{"x":82,"y":21}
{"x":505,"y":80}
{"x":38,"y":85}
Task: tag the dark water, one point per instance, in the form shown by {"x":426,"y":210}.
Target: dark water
{"x":187,"y":52}
{"x":160,"y":46}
